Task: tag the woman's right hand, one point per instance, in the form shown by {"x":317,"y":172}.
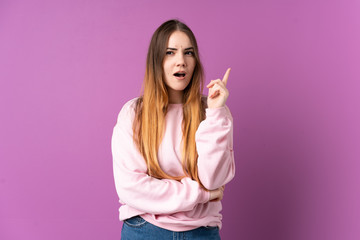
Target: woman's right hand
{"x":217,"y":194}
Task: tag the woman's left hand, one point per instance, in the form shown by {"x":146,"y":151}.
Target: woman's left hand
{"x":218,"y":92}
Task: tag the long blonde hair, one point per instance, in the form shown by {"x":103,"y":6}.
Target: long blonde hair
{"x":151,"y":107}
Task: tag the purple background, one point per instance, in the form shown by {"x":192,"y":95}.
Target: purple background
{"x":67,"y":67}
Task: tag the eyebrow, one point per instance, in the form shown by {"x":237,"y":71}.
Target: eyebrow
{"x":189,"y":48}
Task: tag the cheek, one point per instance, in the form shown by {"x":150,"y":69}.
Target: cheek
{"x":192,"y":68}
{"x":167,"y":69}
{"x":193,"y":63}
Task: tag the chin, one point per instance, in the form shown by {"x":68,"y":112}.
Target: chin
{"x":178,"y":87}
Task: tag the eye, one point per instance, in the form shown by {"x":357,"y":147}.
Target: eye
{"x":190,"y":53}
{"x":169,"y":52}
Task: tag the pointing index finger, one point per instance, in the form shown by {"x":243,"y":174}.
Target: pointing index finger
{"x":226,"y":76}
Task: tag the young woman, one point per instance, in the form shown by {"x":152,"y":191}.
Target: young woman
{"x":172,"y":147}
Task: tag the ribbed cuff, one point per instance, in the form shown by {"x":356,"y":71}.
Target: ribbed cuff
{"x":215,"y":115}
{"x":204,"y":196}
{"x":216,"y":112}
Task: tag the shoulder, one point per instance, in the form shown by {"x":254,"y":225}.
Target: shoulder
{"x":128,"y":109}
{"x":131,"y":104}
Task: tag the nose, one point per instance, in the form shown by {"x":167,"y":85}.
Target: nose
{"x":180,"y":60}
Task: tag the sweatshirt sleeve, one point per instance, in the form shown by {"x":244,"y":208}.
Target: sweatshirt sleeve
{"x":214,"y":143}
{"x":135,"y":187}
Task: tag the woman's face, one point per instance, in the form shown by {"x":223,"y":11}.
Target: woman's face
{"x":179,"y":62}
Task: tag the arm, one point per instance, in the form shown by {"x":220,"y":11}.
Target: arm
{"x":136,"y":188}
{"x":214,"y":143}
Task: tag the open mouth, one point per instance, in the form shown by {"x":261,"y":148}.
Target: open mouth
{"x":180,"y":74}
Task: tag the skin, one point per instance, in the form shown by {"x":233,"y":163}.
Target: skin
{"x":180,"y":57}
{"x":218,"y":93}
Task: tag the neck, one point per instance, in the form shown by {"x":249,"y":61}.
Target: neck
{"x":175,"y":96}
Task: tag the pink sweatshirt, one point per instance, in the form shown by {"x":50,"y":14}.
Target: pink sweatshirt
{"x":170,"y":204}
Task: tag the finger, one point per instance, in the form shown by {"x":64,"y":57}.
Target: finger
{"x":226,"y":76}
{"x":214,"y":90}
{"x":217,"y":89}
{"x":212,"y":94}
{"x":216,"y":86}
{"x":210,"y":85}
{"x":215,"y":94}
{"x":212,"y":82}
{"x":218,"y":92}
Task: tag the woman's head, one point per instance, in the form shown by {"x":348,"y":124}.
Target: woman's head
{"x":178,"y":65}
{"x":173,"y":49}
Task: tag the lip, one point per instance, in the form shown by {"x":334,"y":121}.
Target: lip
{"x":178,"y":77}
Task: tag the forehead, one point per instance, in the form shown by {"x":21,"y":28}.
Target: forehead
{"x":179,"y":39}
